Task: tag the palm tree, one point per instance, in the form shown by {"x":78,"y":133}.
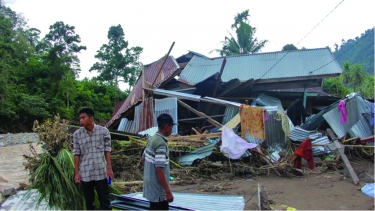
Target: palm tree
{"x":358,"y":76}
{"x":245,"y":42}
{"x":346,"y":72}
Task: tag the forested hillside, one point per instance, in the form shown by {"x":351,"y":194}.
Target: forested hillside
{"x":360,"y":53}
{"x":39,"y":76}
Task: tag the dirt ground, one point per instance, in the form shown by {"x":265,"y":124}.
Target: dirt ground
{"x":315,"y":191}
{"x":12,"y":171}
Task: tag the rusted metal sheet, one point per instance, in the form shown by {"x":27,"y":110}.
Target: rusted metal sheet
{"x":151,"y":71}
{"x":144,"y":115}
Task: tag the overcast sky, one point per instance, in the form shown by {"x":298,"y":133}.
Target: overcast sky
{"x":198,"y":25}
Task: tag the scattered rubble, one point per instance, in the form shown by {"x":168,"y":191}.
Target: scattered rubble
{"x":11,"y":139}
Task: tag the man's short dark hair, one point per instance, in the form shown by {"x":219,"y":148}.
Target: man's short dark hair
{"x":87,"y":110}
{"x":165,"y":119}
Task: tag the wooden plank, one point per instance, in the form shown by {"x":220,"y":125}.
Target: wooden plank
{"x":197,"y":118}
{"x":209,"y":119}
{"x":161,"y":67}
{"x":236,"y":120}
{"x":211,"y":135}
{"x":340,"y":148}
{"x":196,"y":131}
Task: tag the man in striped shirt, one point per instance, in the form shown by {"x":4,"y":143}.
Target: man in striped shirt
{"x":156,"y":166}
{"x":92,"y":160}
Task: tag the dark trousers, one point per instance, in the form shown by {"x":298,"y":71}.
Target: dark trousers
{"x":101,"y":188}
{"x":161,"y":205}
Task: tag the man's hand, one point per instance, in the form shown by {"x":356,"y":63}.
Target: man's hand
{"x":77,"y":178}
{"x":169,"y":196}
{"x":110,"y":173}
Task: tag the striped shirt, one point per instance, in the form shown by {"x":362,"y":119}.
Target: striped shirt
{"x":156,"y":154}
{"x":90,"y":146}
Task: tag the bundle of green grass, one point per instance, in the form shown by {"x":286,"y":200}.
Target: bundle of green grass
{"x":52,"y":172}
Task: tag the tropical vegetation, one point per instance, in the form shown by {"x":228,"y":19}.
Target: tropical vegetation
{"x":245,"y":41}
{"x":39,"y":76}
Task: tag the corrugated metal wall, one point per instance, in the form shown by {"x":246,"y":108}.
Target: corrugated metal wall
{"x":169,"y":106}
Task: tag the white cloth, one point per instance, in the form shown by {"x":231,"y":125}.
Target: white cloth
{"x":232,"y":145}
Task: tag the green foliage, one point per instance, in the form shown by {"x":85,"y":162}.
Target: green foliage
{"x":118,"y":62}
{"x":289,"y":47}
{"x":335,"y":87}
{"x":245,"y":41}
{"x":353,"y":77}
{"x":38,"y":77}
{"x":360,"y":53}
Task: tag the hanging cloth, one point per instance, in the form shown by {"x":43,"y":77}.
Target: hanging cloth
{"x":342,"y":108}
{"x":232,"y":145}
{"x":252,"y":121}
{"x":304,"y":151}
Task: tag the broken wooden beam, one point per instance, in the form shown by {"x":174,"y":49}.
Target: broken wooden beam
{"x":341,"y":150}
{"x":211,"y":135}
{"x":161,"y":67}
{"x":197,"y":118}
{"x":209,"y":119}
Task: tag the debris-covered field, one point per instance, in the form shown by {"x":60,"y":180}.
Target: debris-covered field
{"x":330,"y":190}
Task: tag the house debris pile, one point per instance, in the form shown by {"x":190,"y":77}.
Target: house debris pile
{"x":236,"y":122}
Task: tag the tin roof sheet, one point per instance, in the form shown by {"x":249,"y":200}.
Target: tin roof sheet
{"x":151,"y":71}
{"x":292,"y":64}
{"x":199,"y":69}
{"x":297,"y":63}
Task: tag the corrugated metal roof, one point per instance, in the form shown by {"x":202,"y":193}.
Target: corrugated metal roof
{"x":200,"y":153}
{"x":361,"y":129}
{"x":169,"y":106}
{"x":265,"y":100}
{"x":179,"y":95}
{"x":151,"y":71}
{"x":199,"y":69}
{"x":355,"y":108}
{"x":230,"y":112}
{"x":196,"y":201}
{"x":25,"y":200}
{"x":296,"y":64}
{"x":299,"y":134}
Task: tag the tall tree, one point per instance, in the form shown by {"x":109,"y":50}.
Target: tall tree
{"x":289,"y":47}
{"x":245,"y":41}
{"x":118,"y":62}
{"x":62,"y":46}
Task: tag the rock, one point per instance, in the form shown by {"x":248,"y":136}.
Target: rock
{"x":366,"y":177}
{"x":24,"y":185}
{"x":8,"y":192}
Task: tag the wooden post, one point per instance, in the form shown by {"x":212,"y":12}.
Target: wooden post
{"x":143,"y":83}
{"x":217,"y":84}
{"x":161,"y":67}
{"x":340,"y":148}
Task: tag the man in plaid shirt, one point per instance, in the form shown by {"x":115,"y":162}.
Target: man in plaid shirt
{"x":92,"y":159}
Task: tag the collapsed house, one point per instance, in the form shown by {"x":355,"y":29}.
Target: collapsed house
{"x":206,"y":95}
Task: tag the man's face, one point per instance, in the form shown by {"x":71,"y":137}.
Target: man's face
{"x":167,"y":130}
{"x":85,"y":120}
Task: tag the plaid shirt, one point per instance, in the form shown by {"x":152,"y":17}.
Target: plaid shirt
{"x":90,"y":146}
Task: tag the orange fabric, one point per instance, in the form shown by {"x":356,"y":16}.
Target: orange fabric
{"x":252,"y":121}
{"x":304,"y":151}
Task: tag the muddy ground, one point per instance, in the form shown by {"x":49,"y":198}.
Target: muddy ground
{"x":314,"y":191}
